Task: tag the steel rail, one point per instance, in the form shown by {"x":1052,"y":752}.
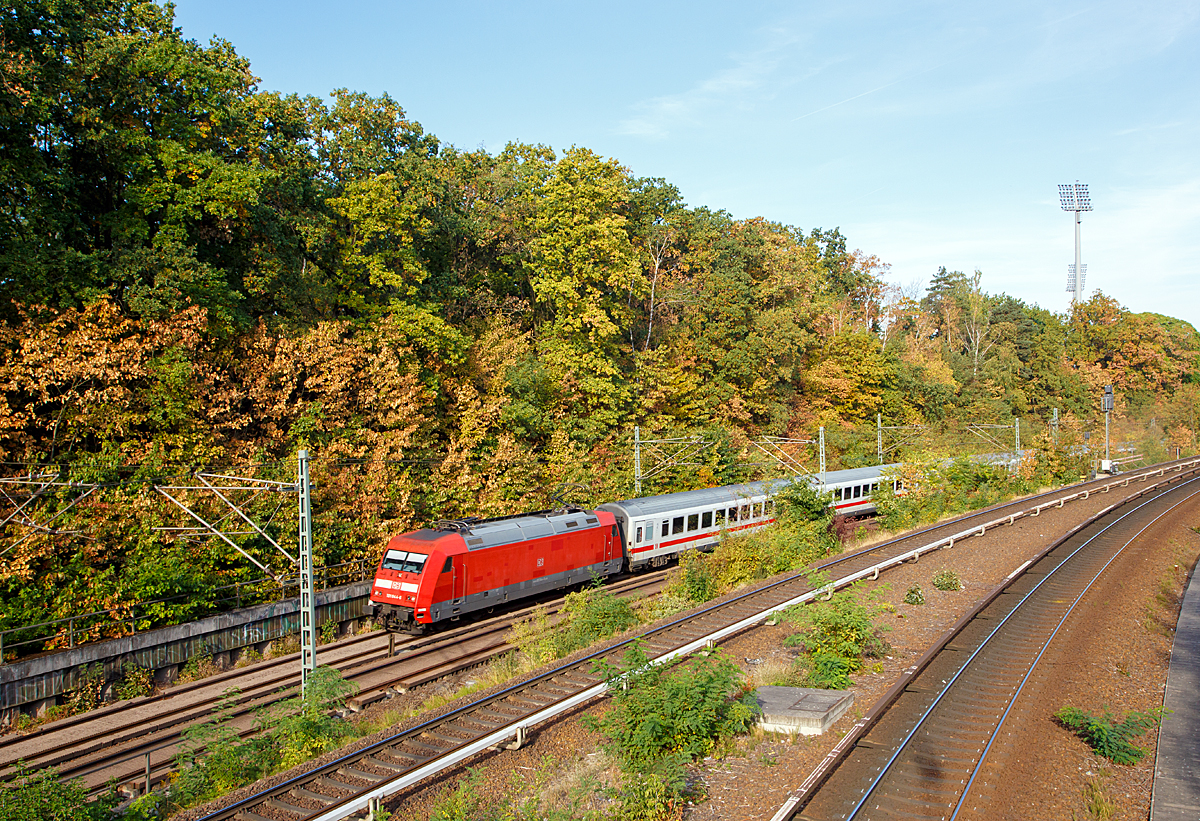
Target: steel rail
{"x":380,"y":786}
{"x":861,"y":733}
{"x":992,"y":739}
{"x":986,"y":645}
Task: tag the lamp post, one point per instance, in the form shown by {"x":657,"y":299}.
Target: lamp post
{"x":1075,"y":198}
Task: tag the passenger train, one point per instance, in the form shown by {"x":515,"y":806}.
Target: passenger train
{"x":440,"y":574}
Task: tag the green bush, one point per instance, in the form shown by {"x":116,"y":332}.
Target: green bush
{"x":137,"y":681}
{"x":693,"y":579}
{"x":914,"y":595}
{"x":934,"y":487}
{"x":41,"y":796}
{"x":593,"y":614}
{"x":947,"y":580}
{"x":843,"y":626}
{"x":826,"y":671}
{"x":1109,"y":739}
{"x":663,"y":715}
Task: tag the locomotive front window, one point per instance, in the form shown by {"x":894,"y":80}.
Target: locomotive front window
{"x":404,"y":562}
{"x":706,"y":520}
{"x":677,"y":524}
{"x":414,"y":563}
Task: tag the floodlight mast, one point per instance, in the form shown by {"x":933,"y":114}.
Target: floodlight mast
{"x":1075,"y":198}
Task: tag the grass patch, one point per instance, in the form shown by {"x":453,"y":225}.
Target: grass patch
{"x":1110,"y":738}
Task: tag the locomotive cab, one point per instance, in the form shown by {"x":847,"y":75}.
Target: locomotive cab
{"x":404,"y":583}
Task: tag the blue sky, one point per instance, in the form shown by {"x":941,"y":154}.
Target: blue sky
{"x":931,"y":133}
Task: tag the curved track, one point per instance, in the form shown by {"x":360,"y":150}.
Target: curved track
{"x":918,"y":755}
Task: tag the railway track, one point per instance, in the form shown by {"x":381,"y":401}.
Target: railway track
{"x":919,"y":753}
{"x":358,"y":780}
{"x":137,"y":741}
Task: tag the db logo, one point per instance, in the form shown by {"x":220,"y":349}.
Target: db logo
{"x":541,"y":562}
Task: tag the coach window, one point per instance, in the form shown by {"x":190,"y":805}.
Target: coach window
{"x":693,"y":521}
{"x":857,"y":491}
{"x":677,"y":524}
{"x":745,"y":514}
{"x":706,"y":520}
{"x":875,"y":488}
{"x":666,"y":528}
{"x":769,"y":507}
{"x":758,"y":508}
{"x":733,"y":514}
{"x":639,"y":535}
{"x":719,"y":517}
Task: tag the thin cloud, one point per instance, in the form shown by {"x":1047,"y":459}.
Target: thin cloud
{"x":729,"y":88}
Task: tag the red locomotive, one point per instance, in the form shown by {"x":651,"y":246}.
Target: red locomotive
{"x":438,"y":574}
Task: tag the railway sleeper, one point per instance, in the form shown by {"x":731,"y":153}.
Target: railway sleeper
{"x":247,"y":815}
{"x":294,"y":809}
{"x":432,"y":748}
{"x":503,"y":718}
{"x":371,"y":761}
{"x":449,"y":739}
{"x":320,"y":798}
{"x":472,"y":724}
{"x":531,"y":699}
{"x":579,"y":679}
{"x":334,"y":784}
{"x":354,"y":772}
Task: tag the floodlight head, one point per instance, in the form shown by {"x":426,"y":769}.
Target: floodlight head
{"x":1075,"y":197}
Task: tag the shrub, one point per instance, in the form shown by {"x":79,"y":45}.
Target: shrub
{"x":197,"y":667}
{"x":663,"y":715}
{"x":914,"y":595}
{"x":137,"y":681}
{"x":213,"y":759}
{"x":827,"y":671}
{"x":947,"y":580}
{"x":843,"y":626}
{"x":329,"y":630}
{"x":591,"y":615}
{"x":693,"y":579}
{"x":1109,"y":739}
{"x":41,"y":796}
{"x":86,"y":695}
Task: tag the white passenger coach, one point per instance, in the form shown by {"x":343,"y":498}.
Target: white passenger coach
{"x":657,"y":528}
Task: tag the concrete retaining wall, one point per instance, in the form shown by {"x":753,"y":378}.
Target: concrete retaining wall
{"x":31,"y":684}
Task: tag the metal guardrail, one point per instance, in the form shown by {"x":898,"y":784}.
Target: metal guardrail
{"x":123,"y":621}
